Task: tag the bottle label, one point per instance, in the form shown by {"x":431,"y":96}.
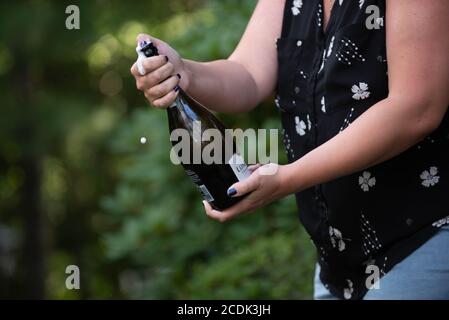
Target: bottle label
{"x":239,"y":167}
{"x":205,"y":193}
{"x":195,"y":178}
{"x":201,"y":187}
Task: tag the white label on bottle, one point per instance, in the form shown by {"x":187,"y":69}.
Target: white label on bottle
{"x":239,"y":167}
{"x":205,"y":193}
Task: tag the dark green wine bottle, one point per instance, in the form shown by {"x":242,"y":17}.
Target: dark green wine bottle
{"x":214,"y":179}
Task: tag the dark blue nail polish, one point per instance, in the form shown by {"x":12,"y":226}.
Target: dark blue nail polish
{"x":178,"y":75}
{"x":166,"y":58}
{"x":232,"y":192}
{"x":176,"y":88}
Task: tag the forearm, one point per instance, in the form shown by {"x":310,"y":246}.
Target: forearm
{"x":382,"y":132}
{"x":222,"y":85}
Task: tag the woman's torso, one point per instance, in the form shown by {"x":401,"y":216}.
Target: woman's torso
{"x":325,"y":81}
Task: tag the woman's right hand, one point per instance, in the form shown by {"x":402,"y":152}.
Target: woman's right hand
{"x":163,"y":74}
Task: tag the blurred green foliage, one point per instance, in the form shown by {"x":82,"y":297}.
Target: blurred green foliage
{"x":78,"y":187}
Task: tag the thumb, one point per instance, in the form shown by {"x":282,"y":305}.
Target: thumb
{"x":143,"y":37}
{"x":243,"y":187}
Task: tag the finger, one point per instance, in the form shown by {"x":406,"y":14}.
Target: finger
{"x":158,"y":75}
{"x":166,"y":100}
{"x":147,"y":65}
{"x":154,"y":78}
{"x":164,"y":87}
{"x":254,"y":167}
{"x":243,"y":187}
{"x":211,"y":212}
{"x":152,"y":64}
{"x":135,"y":71}
{"x":232,"y":212}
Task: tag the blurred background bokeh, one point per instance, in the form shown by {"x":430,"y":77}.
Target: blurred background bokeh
{"x":78,"y":187}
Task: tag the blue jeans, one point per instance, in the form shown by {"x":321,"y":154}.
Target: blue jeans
{"x":423,"y":275}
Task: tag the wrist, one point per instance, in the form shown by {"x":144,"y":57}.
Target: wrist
{"x":186,"y":76}
{"x":292,"y":178}
{"x":284,"y":174}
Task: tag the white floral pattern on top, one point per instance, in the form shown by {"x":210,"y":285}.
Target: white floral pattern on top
{"x":309,"y":123}
{"x":301,"y":126}
{"x":429,"y":177}
{"x":331,"y":46}
{"x":323,"y":104}
{"x":380,"y":21}
{"x":347,"y":292}
{"x":348,"y":52}
{"x":297,"y":5}
{"x":276,"y":102}
{"x":366,"y":181}
{"x":336,"y":239}
{"x":288,"y":144}
{"x":360,"y":92}
{"x":319,"y":15}
{"x":370,"y":241}
{"x":441,"y":222}
{"x":323,"y":61}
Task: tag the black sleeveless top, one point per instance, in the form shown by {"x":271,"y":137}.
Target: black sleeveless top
{"x":326,"y":80}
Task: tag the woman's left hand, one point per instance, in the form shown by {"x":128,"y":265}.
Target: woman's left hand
{"x":265,"y":185}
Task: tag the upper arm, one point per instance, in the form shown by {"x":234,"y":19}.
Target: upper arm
{"x":257,"y":50}
{"x":417,"y":53}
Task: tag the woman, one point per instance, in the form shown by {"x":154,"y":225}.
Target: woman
{"x":362,"y":90}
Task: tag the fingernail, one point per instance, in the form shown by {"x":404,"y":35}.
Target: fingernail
{"x":176,"y":89}
{"x":178,"y":75}
{"x":143,"y":43}
{"x":166,"y":58}
{"x":232,"y":192}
